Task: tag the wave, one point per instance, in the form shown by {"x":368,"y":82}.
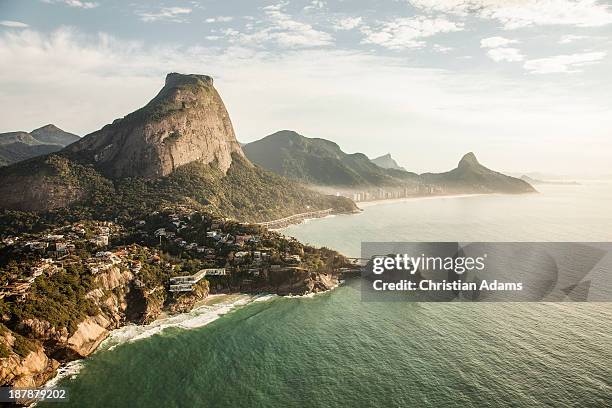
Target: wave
{"x":197,"y":317}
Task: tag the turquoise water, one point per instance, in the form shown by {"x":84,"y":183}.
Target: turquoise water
{"x":333,"y":350}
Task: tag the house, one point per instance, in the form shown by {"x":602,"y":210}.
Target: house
{"x":136,"y":266}
{"x":79,"y":229}
{"x":214,"y":272}
{"x":254,"y":271}
{"x":294,"y":259}
{"x":100,"y":240}
{"x":240,"y":240}
{"x":37,"y":245}
{"x":17,"y":288}
{"x":212,"y":234}
{"x":241,"y":254}
{"x":54,"y":237}
{"x":61,"y":246}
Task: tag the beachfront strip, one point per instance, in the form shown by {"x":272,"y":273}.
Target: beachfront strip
{"x":295,"y":219}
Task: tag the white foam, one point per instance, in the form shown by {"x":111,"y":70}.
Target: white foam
{"x":69,"y":370}
{"x":264,"y":298}
{"x":198,"y":317}
{"x":312,"y":294}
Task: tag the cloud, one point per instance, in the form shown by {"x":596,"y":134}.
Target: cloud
{"x":347,"y":23}
{"x":281,"y":29}
{"x":570,"y":38}
{"x":13,"y":24}
{"x":173,"y":14}
{"x":219,"y":19}
{"x":408,"y":32}
{"x":499,"y":51}
{"x":564,"y":63}
{"x":442,"y":49}
{"x":347,"y":96}
{"x":74,"y":3}
{"x":524,"y":13}
{"x":505,"y":54}
{"x":314,"y":5}
{"x":494,"y":42}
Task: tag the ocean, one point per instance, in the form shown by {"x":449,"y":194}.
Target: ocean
{"x":332,"y":350}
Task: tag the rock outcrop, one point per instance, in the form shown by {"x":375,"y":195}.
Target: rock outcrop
{"x":30,"y":369}
{"x":186,"y":122}
{"x":88,"y":336}
{"x":387,"y":162}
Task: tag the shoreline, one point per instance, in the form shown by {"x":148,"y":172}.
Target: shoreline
{"x":225,"y":302}
{"x":132,"y":332}
{"x":365,"y":204}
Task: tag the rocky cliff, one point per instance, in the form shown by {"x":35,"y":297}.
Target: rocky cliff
{"x":387,"y":162}
{"x":178,"y":149}
{"x":33,"y":360}
{"x":186,"y":122}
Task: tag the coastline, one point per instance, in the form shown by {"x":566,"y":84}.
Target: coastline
{"x":365,"y":204}
{"x":203,"y":313}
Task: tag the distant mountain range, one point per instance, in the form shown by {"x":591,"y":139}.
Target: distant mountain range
{"x":319,"y":162}
{"x":19,"y":146}
{"x":472,"y":177}
{"x":179,"y":149}
{"x":387,"y":162}
{"x":322,"y":163}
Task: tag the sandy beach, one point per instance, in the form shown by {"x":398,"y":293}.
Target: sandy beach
{"x":364,"y":204}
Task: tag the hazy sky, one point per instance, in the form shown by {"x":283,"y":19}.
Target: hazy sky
{"x":525,"y":84}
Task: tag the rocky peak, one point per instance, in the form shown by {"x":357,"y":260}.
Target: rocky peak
{"x":468,"y":160}
{"x":186,"y":122}
{"x":48,"y":128}
{"x":51,"y":134}
{"x":387,"y":162}
{"x":174,"y":79}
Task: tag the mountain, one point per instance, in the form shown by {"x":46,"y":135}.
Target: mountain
{"x":472,"y":177}
{"x":319,"y":162}
{"x":179,"y":149}
{"x":51,"y":134}
{"x":387,"y":162}
{"x":322,"y":163}
{"x":19,"y":146}
{"x":186,"y":122}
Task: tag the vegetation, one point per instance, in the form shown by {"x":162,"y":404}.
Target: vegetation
{"x":59,"y":299}
{"x":320,"y":162}
{"x":246,"y":193}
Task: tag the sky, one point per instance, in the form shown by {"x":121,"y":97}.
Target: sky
{"x":524,"y":84}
